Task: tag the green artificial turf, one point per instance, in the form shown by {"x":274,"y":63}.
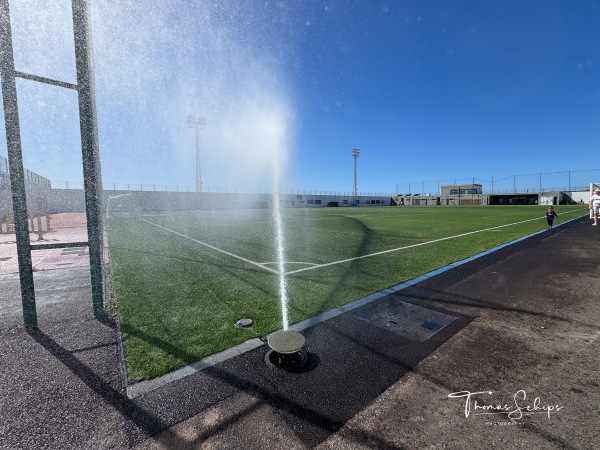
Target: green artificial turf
{"x":179,"y":295}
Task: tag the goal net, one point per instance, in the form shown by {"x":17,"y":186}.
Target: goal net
{"x":124,"y":204}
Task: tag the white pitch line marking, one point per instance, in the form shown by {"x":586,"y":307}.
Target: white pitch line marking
{"x":292,"y":262}
{"x":317,"y":266}
{"x":333,"y":263}
{"x":212,"y":247}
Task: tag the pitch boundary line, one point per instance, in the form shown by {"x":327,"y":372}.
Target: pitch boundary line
{"x":212,"y":247}
{"x":383,"y":252}
{"x":342,"y":261}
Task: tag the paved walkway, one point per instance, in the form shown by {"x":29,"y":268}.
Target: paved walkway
{"x":522,"y":339}
{"x":64,"y":228}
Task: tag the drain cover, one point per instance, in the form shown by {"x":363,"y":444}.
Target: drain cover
{"x":410,"y":321}
{"x":243,"y":323}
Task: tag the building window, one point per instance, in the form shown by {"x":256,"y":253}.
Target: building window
{"x":465,"y":191}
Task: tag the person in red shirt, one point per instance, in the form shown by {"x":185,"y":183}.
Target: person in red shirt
{"x":550,"y":215}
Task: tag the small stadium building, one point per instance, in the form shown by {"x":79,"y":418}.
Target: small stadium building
{"x":472,"y":195}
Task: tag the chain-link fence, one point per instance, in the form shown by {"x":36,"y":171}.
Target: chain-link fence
{"x":209,"y":189}
{"x":572,"y":180}
{"x":4,"y":178}
{"x":30,"y":176}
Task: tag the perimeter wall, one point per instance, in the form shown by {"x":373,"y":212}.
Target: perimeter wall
{"x":41,"y":200}
{"x":44,"y":200}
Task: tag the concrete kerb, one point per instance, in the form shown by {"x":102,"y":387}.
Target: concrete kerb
{"x":143,"y":387}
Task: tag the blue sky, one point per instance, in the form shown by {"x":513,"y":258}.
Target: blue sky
{"x":430,"y":91}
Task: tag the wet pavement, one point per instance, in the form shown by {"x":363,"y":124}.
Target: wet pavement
{"x":516,"y":328}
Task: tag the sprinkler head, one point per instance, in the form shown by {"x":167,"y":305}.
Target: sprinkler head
{"x":286,"y":350}
{"x":286,"y":341}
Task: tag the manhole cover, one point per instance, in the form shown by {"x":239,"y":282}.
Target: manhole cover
{"x":405,"y":319}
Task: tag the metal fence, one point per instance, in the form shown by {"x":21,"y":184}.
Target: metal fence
{"x":4,"y":179}
{"x":3,"y":165}
{"x":30,"y":176}
{"x":571,"y":180}
{"x":74,"y":184}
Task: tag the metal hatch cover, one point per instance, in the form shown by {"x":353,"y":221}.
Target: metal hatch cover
{"x":405,"y":319}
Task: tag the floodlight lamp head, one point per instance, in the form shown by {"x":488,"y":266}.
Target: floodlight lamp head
{"x":196,"y":122}
{"x":355,"y":151}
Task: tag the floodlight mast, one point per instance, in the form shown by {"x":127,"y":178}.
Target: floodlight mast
{"x":355,"y":153}
{"x":198,"y":124}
